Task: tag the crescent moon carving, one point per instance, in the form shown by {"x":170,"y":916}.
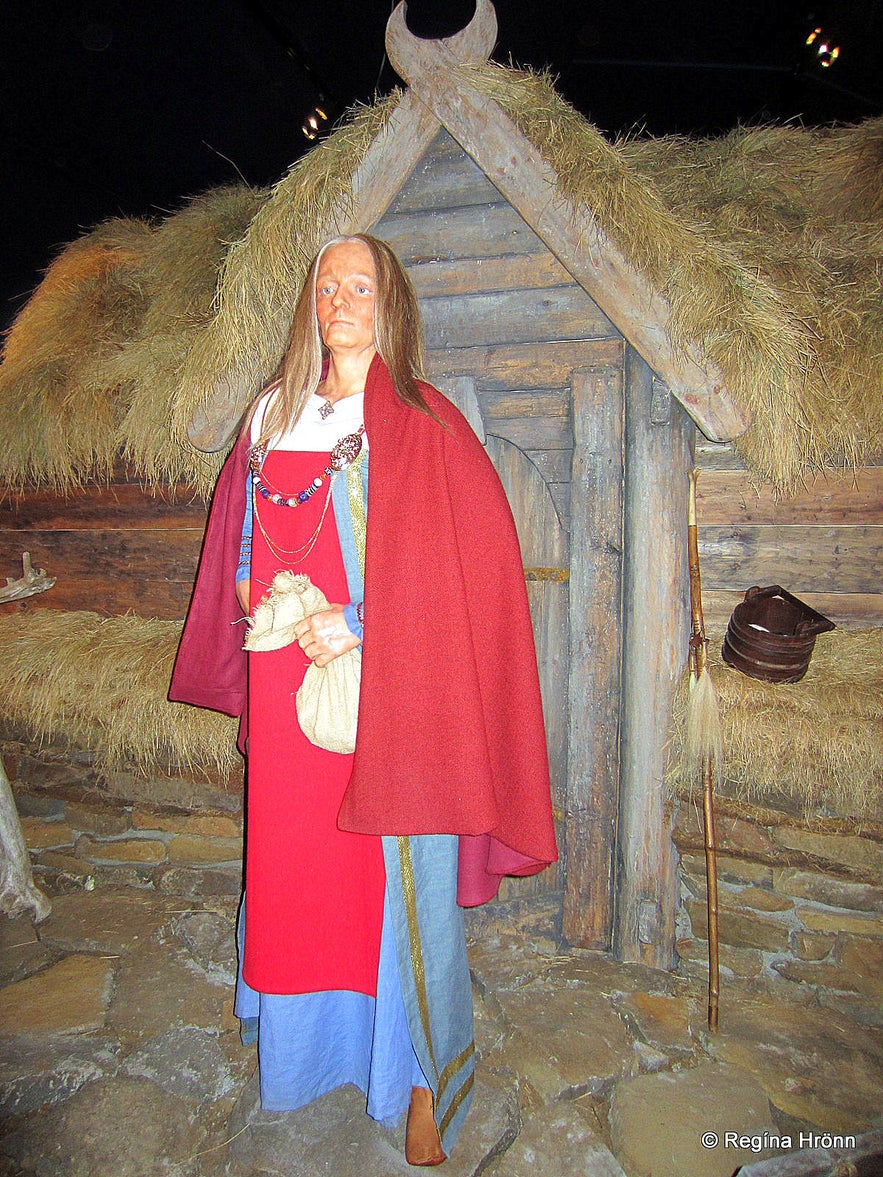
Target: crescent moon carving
{"x":474,"y":43}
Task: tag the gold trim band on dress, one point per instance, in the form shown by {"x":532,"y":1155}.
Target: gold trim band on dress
{"x":455,"y":1065}
{"x":456,"y":1102}
{"x":356,"y":495}
{"x":409,"y":892}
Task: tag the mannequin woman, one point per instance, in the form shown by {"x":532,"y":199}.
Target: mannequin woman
{"x":353,"y":962}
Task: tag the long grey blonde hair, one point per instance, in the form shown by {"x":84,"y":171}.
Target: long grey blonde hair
{"x":398,"y":338}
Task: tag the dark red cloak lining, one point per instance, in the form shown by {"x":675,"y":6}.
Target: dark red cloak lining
{"x":451,"y":736}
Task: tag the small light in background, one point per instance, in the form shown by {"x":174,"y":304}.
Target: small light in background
{"x":315,"y":123}
{"x":826,"y":53}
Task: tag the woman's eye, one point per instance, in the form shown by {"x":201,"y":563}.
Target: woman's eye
{"x":363,"y":289}
{"x":326,"y":290}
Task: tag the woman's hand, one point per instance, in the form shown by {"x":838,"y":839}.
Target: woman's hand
{"x":325,"y":636}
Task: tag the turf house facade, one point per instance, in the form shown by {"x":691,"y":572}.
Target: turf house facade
{"x":607,"y":316}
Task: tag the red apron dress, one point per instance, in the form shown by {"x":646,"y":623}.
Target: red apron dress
{"x":313,"y":893}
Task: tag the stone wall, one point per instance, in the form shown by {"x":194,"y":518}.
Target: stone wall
{"x":798,"y":899}
{"x":178,"y":833}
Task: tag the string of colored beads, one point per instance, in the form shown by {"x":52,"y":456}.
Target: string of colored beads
{"x":302,"y":496}
{"x":342,"y":455}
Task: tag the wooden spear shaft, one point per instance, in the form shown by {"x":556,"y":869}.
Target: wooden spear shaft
{"x":711,"y":886}
{"x":698,"y":667}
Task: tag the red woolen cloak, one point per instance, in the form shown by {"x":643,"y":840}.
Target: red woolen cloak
{"x":450,"y":736}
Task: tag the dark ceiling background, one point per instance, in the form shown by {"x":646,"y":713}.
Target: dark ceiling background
{"x":110,"y":108}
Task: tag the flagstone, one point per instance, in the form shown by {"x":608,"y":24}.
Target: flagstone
{"x":70,"y":997}
{"x":38,"y":1071}
{"x":814,"y":1064}
{"x":109,"y":919}
{"x":21,"y":951}
{"x":118,"y":1127}
{"x":564,"y":1041}
{"x":557,"y":1141}
{"x":157,"y":990}
{"x":658,"y":1122}
{"x":210,"y":939}
{"x":186,"y":1061}
{"x":659,"y":1020}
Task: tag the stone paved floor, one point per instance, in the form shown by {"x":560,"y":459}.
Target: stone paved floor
{"x":120,"y":1057}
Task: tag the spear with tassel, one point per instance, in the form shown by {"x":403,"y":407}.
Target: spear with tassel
{"x":704,"y":747}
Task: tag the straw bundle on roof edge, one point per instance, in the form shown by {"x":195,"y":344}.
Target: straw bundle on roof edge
{"x":101,"y":682}
{"x":57,"y":358}
{"x":767,"y":244}
{"x":818,"y":741}
{"x":179,"y":276}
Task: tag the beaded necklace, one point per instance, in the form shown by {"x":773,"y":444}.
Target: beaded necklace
{"x":343,"y":455}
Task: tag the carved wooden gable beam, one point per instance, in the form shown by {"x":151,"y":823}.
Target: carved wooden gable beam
{"x":521,"y":175}
{"x":403,"y":142}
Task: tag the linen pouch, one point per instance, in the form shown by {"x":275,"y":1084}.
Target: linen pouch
{"x":328,"y":699}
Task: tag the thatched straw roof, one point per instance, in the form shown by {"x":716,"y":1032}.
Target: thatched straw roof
{"x":57,"y":356}
{"x":92,"y":365}
{"x":766,"y":243}
{"x":101,"y":684}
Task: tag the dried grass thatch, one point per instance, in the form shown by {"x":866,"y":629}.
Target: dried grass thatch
{"x":60,"y":414}
{"x":769,"y":256}
{"x":767,"y":244}
{"x":818,"y":741}
{"x":92,"y":365}
{"x":101,"y":683}
{"x":179,"y":276}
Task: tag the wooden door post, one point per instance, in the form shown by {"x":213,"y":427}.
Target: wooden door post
{"x":655,"y":632}
{"x":595,"y":651}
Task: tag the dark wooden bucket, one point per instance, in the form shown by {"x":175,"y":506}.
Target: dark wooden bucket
{"x":771,"y":635}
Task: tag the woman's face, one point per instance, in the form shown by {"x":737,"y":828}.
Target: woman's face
{"x":345,"y":298}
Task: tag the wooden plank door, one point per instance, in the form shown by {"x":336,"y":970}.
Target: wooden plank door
{"x":545,"y":553}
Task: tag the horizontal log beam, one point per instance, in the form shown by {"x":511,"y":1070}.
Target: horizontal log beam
{"x":732,"y":496}
{"x":514,"y":316}
{"x":548,"y":433}
{"x":162,"y":599}
{"x":120,"y":506}
{"x":799,"y":558}
{"x":444,"y":178}
{"x":523,"y":366}
{"x":487,"y":231}
{"x":470,"y":275}
{"x":144,"y":570}
{"x":501,"y":406}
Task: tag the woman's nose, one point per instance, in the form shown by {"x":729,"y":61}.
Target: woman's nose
{"x":338,"y":298}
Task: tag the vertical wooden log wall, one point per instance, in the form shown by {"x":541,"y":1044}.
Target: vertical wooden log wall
{"x":655,"y":632}
{"x":595,"y":645}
